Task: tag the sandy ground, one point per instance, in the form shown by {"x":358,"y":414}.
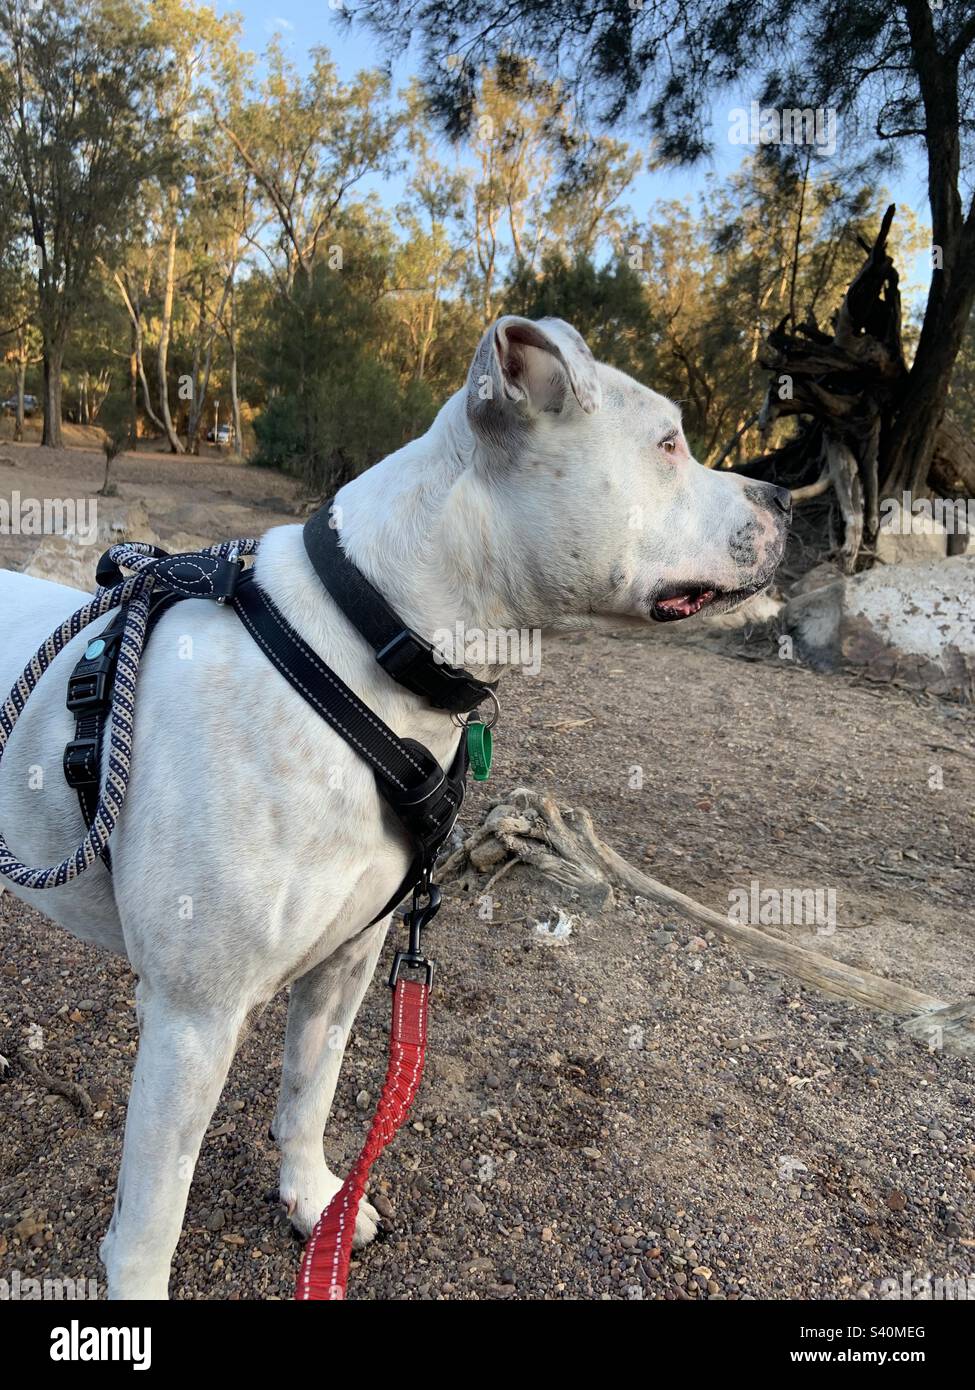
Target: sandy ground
{"x":630,"y":1111}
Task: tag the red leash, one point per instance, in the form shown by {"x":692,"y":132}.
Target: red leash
{"x":325,"y":1264}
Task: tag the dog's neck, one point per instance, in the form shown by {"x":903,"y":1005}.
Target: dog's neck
{"x":424,"y":529}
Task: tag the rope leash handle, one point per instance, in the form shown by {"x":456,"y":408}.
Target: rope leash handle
{"x":137,"y":593}
{"x":325,"y":1265}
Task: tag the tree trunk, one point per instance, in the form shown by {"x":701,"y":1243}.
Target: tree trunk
{"x":53,"y":357}
{"x":234,"y":397}
{"x":133,"y":386}
{"x":133,"y":307}
{"x":914,"y":434}
{"x":165,"y":331}
{"x":881,"y":427}
{"x":21,"y":383}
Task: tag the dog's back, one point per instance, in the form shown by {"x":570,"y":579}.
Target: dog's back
{"x":30,"y":610}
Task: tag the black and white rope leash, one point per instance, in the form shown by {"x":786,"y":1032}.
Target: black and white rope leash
{"x":136,"y":593}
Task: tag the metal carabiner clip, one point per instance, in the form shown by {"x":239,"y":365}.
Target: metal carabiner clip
{"x":419,"y":915}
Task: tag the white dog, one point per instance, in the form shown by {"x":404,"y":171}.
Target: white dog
{"x":254,"y":846}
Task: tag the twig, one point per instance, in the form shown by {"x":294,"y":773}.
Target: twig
{"x":69,"y":1089}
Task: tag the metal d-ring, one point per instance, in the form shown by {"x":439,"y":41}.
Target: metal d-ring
{"x":462,"y":720}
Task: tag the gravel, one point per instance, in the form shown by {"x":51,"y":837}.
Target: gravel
{"x":631,"y":1111}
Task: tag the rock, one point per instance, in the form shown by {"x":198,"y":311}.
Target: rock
{"x":907,"y":539}
{"x":474,"y":1205}
{"x":761,"y":608}
{"x":911,"y":623}
{"x":70,"y":556}
{"x":817,"y":578}
{"x":216,"y":1220}
{"x":896,"y":1200}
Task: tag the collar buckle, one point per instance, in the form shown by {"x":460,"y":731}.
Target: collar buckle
{"x":413,"y":661}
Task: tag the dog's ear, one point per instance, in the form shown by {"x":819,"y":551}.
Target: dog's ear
{"x":522,"y":368}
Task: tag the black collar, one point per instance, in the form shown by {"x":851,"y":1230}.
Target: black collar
{"x":401,"y":652}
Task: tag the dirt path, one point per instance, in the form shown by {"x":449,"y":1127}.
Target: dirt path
{"x":627,"y":1111}
{"x":209,"y":496}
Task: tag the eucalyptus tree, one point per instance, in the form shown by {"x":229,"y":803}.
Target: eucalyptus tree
{"x":896,"y":73}
{"x":308,"y":141}
{"x":78,"y":130}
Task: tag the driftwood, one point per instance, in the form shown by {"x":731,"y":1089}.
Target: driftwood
{"x":529,"y":828}
{"x":56,"y":1085}
{"x":844,"y":388}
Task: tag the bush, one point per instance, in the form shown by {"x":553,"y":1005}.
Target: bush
{"x":335,"y":406}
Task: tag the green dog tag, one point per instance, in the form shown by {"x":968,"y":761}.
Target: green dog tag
{"x":479,"y":745}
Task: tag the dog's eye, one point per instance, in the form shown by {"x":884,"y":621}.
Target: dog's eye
{"x":669,"y":443}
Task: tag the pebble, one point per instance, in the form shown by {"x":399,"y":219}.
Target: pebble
{"x":474,"y":1205}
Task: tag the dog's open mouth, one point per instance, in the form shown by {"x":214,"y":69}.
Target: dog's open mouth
{"x":683,"y":601}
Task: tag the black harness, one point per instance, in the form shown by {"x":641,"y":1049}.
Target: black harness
{"x":425,"y":798}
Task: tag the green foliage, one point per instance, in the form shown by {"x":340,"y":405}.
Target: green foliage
{"x":116,"y":422}
{"x":608,"y":304}
{"x":170,"y":211}
{"x":115,"y":419}
{"x":334,"y":405}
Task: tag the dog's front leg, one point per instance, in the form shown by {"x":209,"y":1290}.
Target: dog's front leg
{"x":184,"y":1057}
{"x":322,"y":1008}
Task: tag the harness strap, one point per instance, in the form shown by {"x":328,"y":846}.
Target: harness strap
{"x":402,"y":653}
{"x":424,"y":797}
{"x":89,"y":698}
{"x":325,"y":1265}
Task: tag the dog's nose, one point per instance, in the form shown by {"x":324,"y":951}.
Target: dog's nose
{"x":781,"y":498}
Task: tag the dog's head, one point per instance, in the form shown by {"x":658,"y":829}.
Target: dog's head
{"x":599,"y":490}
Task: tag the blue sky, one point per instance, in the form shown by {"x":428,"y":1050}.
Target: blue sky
{"x":300,"y":26}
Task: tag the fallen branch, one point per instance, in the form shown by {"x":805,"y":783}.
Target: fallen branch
{"x":529,"y":828}
{"x":77,"y":1095}
{"x":806,"y":494}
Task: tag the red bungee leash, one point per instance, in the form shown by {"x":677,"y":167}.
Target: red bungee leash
{"x":325,"y":1264}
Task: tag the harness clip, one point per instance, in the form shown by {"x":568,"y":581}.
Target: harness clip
{"x":88,"y":684}
{"x":416,"y":919}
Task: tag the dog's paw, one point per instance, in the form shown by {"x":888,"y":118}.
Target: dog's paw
{"x":305,"y":1202}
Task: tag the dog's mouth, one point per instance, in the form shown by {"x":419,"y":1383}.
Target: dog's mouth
{"x":683,"y":601}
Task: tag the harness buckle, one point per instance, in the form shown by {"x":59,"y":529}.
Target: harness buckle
{"x":403,"y":654}
{"x":431,"y":808}
{"x":86,"y":691}
{"x":80,"y":763}
{"x":414,"y":662}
